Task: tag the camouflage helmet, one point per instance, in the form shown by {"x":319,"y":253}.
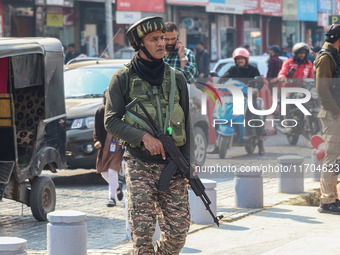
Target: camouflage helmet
{"x":143,"y":27}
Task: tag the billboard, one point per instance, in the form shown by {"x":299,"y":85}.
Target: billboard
{"x":140,"y":5}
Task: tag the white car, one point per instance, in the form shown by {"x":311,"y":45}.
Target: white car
{"x":261,"y":62}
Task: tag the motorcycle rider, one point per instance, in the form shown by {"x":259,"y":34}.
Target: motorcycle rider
{"x":299,"y":62}
{"x":245,"y":72}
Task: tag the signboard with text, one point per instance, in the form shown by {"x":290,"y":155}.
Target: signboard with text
{"x":308,"y":10}
{"x":140,"y":5}
{"x":325,"y":6}
{"x":333,"y":19}
{"x":188,"y":2}
{"x":225,"y":6}
{"x":264,"y":7}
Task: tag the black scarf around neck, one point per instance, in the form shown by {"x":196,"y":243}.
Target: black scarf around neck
{"x":151,"y":71}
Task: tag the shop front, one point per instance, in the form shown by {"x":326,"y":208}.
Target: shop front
{"x":19,"y":18}
{"x":223,"y":37}
{"x":55,"y":18}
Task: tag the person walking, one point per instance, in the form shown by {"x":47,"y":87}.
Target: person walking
{"x":151,"y":80}
{"x":274,"y":62}
{"x":327,"y":74}
{"x":177,"y":56}
{"x":202,"y":61}
{"x":71,"y":53}
{"x":109,"y":156}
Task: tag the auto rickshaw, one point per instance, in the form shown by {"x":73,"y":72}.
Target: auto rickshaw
{"x":32,"y":121}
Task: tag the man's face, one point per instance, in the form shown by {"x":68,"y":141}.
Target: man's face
{"x":154,"y":43}
{"x":170,"y":40}
{"x":301,"y":55}
{"x":271,"y":53}
{"x":71,"y":49}
{"x":199,"y":47}
{"x":240,"y":61}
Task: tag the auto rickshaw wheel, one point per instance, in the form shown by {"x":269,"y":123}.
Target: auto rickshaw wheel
{"x":42,"y":197}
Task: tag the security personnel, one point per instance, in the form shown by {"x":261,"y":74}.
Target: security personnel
{"x":327,"y":83}
{"x":159,"y":87}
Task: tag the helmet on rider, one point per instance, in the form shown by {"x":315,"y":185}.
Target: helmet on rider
{"x":241,"y":52}
{"x":300,"y":47}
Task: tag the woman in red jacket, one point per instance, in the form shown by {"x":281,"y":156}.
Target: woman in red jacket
{"x":303,"y":67}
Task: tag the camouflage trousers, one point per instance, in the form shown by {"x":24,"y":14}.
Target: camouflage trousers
{"x":146,"y":204}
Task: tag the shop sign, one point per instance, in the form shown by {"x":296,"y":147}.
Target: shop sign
{"x":40,"y":2}
{"x":140,"y":5}
{"x":251,"y":6}
{"x":333,"y":19}
{"x":263,"y":7}
{"x":55,"y":2}
{"x":123,"y":17}
{"x":54,"y":20}
{"x":308,"y":10}
{"x":68,"y":17}
{"x":188,"y":2}
{"x":289,"y":11}
{"x":322,"y":19}
{"x":337,"y":8}
{"x":225,"y":6}
{"x":272,"y":7}
{"x":325,"y":6}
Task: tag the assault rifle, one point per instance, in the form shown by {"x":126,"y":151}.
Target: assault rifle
{"x":175,"y":159}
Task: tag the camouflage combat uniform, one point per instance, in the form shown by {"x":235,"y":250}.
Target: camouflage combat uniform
{"x":146,"y":202}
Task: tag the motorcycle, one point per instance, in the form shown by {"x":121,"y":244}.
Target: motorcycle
{"x":234,"y":130}
{"x":300,"y":124}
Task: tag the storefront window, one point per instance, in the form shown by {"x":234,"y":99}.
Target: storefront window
{"x":253,"y":34}
{"x":290,"y":32}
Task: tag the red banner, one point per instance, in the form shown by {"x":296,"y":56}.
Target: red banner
{"x":140,"y":5}
{"x":251,"y":6}
{"x":264,"y":7}
{"x":337,"y":7}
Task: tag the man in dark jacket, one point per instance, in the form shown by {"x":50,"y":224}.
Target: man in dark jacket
{"x":148,"y":78}
{"x":327,"y":83}
{"x":202,"y":61}
{"x":244,"y":72}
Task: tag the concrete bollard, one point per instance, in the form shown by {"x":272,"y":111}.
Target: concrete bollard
{"x":248,"y":189}
{"x":156,"y":235}
{"x":12,"y":246}
{"x":316,"y":167}
{"x":66,"y":233}
{"x":198,"y":212}
{"x":291,"y":174}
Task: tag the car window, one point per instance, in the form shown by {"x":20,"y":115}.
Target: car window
{"x":224,"y":67}
{"x":82,"y":82}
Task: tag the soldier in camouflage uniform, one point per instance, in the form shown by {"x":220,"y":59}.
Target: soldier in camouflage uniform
{"x":163,"y":91}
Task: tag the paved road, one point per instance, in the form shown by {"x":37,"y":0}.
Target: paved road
{"x":84,"y":190}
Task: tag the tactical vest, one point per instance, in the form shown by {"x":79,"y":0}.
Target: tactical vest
{"x":335,"y":86}
{"x":162,"y":103}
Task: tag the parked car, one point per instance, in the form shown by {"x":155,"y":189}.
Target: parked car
{"x":85,"y":82}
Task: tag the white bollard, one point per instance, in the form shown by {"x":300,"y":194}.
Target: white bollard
{"x":316,"y":167}
{"x":198,"y":212}
{"x":291,"y":174}
{"x":12,"y":246}
{"x":248,"y":189}
{"x":156,"y":235}
{"x":66,"y":233}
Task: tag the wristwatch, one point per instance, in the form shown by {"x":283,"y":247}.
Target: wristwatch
{"x":184,"y":59}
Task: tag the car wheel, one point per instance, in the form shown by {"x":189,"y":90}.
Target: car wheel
{"x":200,"y":146}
